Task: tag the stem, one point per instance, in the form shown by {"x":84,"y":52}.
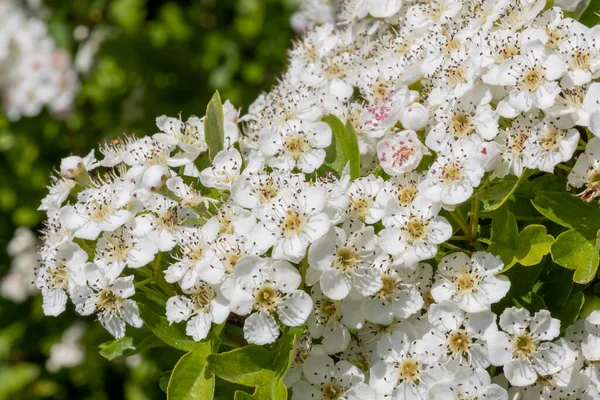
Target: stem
{"x":563,"y":167}
{"x":474,"y":222}
{"x":464,"y":238}
{"x":143,"y":283}
{"x":454,"y":248}
{"x":303,"y":268}
{"x":460,"y":220}
{"x":159,"y":277}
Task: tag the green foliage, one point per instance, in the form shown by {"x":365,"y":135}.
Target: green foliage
{"x":124,"y":347}
{"x":213,"y":126}
{"x":572,"y":250}
{"x":191,"y":379}
{"x":344,"y":147}
{"x":590,"y":15}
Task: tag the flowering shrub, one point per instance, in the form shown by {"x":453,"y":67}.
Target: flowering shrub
{"x":393,"y":219}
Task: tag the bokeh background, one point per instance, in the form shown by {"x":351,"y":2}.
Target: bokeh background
{"x":156,"y":57}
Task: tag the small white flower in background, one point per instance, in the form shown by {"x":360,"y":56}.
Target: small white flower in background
{"x":523,"y":346}
{"x":20,"y":281}
{"x":263,"y":287}
{"x":69,"y":352}
{"x":108,"y":297}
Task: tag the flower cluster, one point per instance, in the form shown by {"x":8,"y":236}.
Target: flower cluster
{"x":33,"y":72}
{"x":327,"y":209}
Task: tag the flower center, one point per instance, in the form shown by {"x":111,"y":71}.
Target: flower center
{"x":346,"y":259}
{"x":329,"y":308}
{"x":554,"y":37}
{"x":334,"y":71}
{"x":406,"y":196}
{"x":516,"y":143}
{"x":532,"y":79}
{"x":167,"y":220}
{"x":231,"y":261}
{"x":266,"y":298}
{"x":202,"y":296}
{"x":461,"y":123}
{"x":293,"y":223}
{"x":524,"y":346}
{"x":415,"y":229}
{"x":225,"y":225}
{"x":296,"y":146}
{"x":508,"y":51}
{"x":451,"y":173}
{"x":466,"y":282}
{"x":100,"y":211}
{"x":410,"y":370}
{"x":359,"y":207}
{"x":459,"y":341}
{"x":381,"y":90}
{"x":456,"y":75}
{"x":402,"y":154}
{"x":58,"y":276}
{"x":333,"y":391}
{"x":108,"y":300}
{"x":388,"y":289}
{"x":580,"y":59}
{"x":593,"y":185}
{"x":267,"y":191}
{"x":550,"y":139}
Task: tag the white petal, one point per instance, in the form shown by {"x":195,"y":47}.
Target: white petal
{"x":260,"y":328}
{"x":294,"y":310}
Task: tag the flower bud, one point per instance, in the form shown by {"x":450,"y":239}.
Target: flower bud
{"x":71,"y":167}
{"x":155,"y":177}
{"x":414,"y":117}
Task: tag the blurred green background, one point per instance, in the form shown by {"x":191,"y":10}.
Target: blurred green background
{"x":159,"y":57}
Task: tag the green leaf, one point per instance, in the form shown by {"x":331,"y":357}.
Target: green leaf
{"x":589,"y":17}
{"x":284,"y":354}
{"x":251,"y":365}
{"x":14,"y":378}
{"x":534,"y":244}
{"x":269,"y":392}
{"x":569,"y":311}
{"x":343,"y":149}
{"x":499,"y":192}
{"x":505,"y":237}
{"x":352,"y":151}
{"x":572,"y":250}
{"x":124,"y":347}
{"x":191,"y":379}
{"x":163,"y":381}
{"x":591,"y":304}
{"x":214,"y":132}
{"x":569,"y":211}
{"x":531,"y":301}
{"x":174,"y":335}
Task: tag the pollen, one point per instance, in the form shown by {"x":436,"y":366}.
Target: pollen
{"x":410,"y":370}
{"x":293,"y":223}
{"x":346,"y":259}
{"x":459,"y":341}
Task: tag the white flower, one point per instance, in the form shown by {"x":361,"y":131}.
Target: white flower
{"x":414,"y":233}
{"x":581,"y":53}
{"x":61,"y":271}
{"x":108,"y":297}
{"x":323,"y":377}
{"x":401,"y":152}
{"x":298,"y":144}
{"x":456,"y":339}
{"x":586,"y":171}
{"x":201,"y":306}
{"x":550,"y":145}
{"x":121,"y":248}
{"x":293,"y":222}
{"x":330,"y":320}
{"x":362,"y":194}
{"x":470,"y":283}
{"x":97,"y":210}
{"x":453,"y":175}
{"x":414,"y":117}
{"x":467,"y":383}
{"x":344,"y":257}
{"x":524,"y":348}
{"x":268,"y":287}
{"x":225,"y":169}
{"x":531,"y":77}
{"x":188,"y":136}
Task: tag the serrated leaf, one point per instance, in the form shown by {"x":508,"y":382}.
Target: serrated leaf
{"x":174,"y":335}
{"x":269,"y":392}
{"x":124,"y":347}
{"x":191,"y":379}
{"x":534,"y":244}
{"x":569,"y":211}
{"x":572,"y":250}
{"x":251,"y":365}
{"x":505,"y":237}
{"x":214,"y":133}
